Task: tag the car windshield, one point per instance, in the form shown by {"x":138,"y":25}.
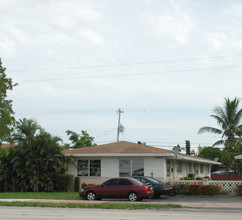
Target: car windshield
{"x":150,"y":179}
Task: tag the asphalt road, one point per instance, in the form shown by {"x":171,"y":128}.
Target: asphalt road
{"x":37,"y":213}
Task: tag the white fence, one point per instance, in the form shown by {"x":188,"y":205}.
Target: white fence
{"x":228,"y":187}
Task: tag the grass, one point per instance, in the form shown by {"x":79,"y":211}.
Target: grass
{"x":130,"y":206}
{"x":40,"y":195}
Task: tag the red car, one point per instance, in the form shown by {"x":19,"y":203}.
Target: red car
{"x":129,"y":188}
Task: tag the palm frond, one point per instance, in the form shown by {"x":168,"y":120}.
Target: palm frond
{"x":220,"y":121}
{"x":220,"y":142}
{"x":238,"y":117}
{"x":220,"y":112}
{"x":209,"y":129}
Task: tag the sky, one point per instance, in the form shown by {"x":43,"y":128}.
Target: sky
{"x":166,"y":64}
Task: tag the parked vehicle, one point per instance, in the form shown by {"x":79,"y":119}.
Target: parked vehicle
{"x":159,"y":187}
{"x":129,"y":188}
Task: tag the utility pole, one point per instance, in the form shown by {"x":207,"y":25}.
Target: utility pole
{"x":119,"y":111}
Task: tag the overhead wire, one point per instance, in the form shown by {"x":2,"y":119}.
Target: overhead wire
{"x":127,"y":64}
{"x":130,"y":74}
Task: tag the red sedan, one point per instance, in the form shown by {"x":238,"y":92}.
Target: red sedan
{"x":129,"y":188}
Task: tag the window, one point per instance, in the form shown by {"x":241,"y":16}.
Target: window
{"x":179,"y":166}
{"x":112,"y":182}
{"x":95,"y":167}
{"x":82,"y":168}
{"x":195,"y":168}
{"x":124,"y":168}
{"x":124,"y":182}
{"x":189,"y":167}
{"x":89,"y":168}
{"x":137,"y":167}
{"x":168,"y":168}
{"x":201,"y":168}
{"x":131,"y":168}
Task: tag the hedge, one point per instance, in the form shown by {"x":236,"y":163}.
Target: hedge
{"x":77,"y":183}
{"x":193,"y":189}
{"x":63,"y":182}
{"x":239,"y":190}
{"x":196,"y":189}
{"x":180,"y":188}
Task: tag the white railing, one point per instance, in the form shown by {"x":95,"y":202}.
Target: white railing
{"x":228,"y":186}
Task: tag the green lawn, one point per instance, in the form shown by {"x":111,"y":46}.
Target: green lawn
{"x":40,"y":195}
{"x":130,"y":206}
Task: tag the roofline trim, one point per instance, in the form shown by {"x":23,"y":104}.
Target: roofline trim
{"x":117,"y":155}
{"x":198,"y":160}
{"x":146,"y":155}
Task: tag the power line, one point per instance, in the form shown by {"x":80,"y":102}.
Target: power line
{"x":130,"y":74}
{"x":125,"y":64}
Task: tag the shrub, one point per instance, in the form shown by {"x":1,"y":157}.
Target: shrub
{"x":77,"y":184}
{"x":186,"y":178}
{"x":179,"y":188}
{"x":238,"y":190}
{"x":193,"y":189}
{"x":199,"y":178}
{"x":63,"y":182}
{"x":196,"y":189}
{"x":209,"y":190}
{"x":207,"y":177}
{"x":87,"y":184}
{"x":192,"y":176}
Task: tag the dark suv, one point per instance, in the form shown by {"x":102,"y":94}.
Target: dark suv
{"x":129,"y":188}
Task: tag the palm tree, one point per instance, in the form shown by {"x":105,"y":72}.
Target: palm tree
{"x":38,"y":157}
{"x":228,"y":118}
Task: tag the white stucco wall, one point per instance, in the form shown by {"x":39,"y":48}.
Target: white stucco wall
{"x":109,"y":167}
{"x":155,"y":166}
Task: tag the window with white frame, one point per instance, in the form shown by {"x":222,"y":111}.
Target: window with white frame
{"x":131,"y":168}
{"x":179,"y":166}
{"x":89,"y":168}
{"x":168,"y":168}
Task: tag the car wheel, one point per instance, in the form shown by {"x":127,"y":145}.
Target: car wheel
{"x":91,"y":196}
{"x":133,"y":197}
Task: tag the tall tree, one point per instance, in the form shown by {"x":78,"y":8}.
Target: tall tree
{"x":210,"y":153}
{"x":6,"y":112}
{"x":36,"y":158}
{"x":229,"y":119}
{"x":78,"y":141}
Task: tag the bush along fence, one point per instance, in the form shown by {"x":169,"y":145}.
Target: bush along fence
{"x":208,"y":187}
